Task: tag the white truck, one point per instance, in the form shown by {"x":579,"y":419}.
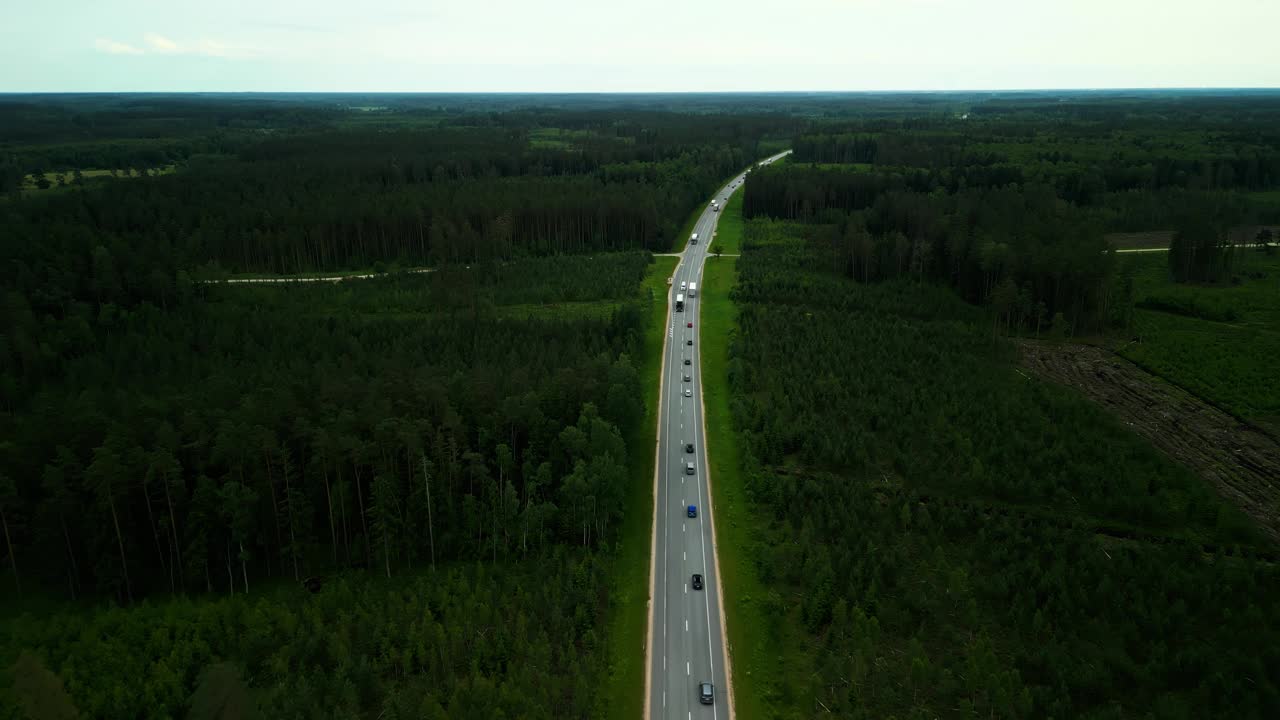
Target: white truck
{"x":679,"y":302}
{"x":693,"y":289}
{"x":693,"y":240}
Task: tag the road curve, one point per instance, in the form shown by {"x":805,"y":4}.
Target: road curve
{"x":686,"y":644}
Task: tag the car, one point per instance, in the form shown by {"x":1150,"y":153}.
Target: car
{"x":688,"y":377}
{"x":689,"y":469}
{"x":687,"y":361}
{"x":693,"y":511}
{"x":688,"y":447}
{"x":689,"y":341}
{"x":697,"y":581}
{"x":688,"y":324}
{"x":706,"y":693}
{"x":688,"y":392}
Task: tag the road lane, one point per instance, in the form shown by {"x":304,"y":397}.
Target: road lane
{"x":687,"y":643}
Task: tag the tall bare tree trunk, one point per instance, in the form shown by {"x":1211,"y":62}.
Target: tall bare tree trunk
{"x":364,"y":521}
{"x":333,"y":530}
{"x":244,"y":568}
{"x":431,"y":532}
{"x":231,"y":577}
{"x":293,"y":538}
{"x":173,"y":530}
{"x":275,"y":506}
{"x":151,"y":521}
{"x":71,"y":555}
{"x":124,"y":564}
{"x":342,"y":510}
{"x":13,"y":557}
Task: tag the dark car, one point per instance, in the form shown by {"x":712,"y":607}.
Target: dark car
{"x":689,"y":341}
{"x":689,"y":325}
{"x":687,"y":361}
{"x":693,"y":511}
{"x":706,"y":693}
{"x":688,"y":447}
{"x":697,"y":582}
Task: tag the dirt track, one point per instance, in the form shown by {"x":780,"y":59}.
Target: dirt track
{"x":1242,"y":462}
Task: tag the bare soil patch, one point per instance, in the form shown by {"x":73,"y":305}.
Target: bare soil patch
{"x":1238,"y":459}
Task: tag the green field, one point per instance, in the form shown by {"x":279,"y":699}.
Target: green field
{"x":1220,"y":342}
{"x":630,"y":583}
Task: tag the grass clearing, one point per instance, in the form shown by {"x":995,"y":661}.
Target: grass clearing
{"x":1231,"y":365}
{"x":1217,"y":341}
{"x":628,"y":623}
{"x":1255,"y":301}
{"x":66,"y":178}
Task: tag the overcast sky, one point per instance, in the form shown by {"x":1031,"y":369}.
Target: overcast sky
{"x":658,"y":45}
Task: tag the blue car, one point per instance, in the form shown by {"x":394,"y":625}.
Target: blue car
{"x":693,"y":511}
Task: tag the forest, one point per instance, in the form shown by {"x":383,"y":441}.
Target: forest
{"x":953,"y":539}
{"x":943,"y":534}
{"x":390,"y":497}
{"x":259,"y":436}
{"x":403,"y":496}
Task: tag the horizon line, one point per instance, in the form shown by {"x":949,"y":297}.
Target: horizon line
{"x":1188,"y":88}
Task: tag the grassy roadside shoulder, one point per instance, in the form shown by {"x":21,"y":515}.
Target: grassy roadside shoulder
{"x":757,"y":642}
{"x":728,"y":238}
{"x":630,"y":614}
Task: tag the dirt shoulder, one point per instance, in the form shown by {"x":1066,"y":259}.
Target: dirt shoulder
{"x":1242,"y":462}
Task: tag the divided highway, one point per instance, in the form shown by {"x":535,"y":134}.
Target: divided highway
{"x":686,"y":645}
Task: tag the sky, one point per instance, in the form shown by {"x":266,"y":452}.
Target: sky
{"x":649,"y":46}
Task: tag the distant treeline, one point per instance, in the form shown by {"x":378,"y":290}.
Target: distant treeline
{"x":1010,"y":207}
{"x":351,"y":197}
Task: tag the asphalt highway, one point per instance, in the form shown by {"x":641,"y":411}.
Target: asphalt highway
{"x":687,"y":646}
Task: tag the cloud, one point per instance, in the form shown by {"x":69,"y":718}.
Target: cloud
{"x":115,"y":48}
{"x":160,"y":43}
